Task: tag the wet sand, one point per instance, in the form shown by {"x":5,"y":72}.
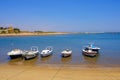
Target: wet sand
{"x":55,"y":72}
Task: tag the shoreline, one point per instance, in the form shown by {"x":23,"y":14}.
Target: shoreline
{"x":18,"y":72}
{"x":44,"y":33}
{"x":33,"y":34}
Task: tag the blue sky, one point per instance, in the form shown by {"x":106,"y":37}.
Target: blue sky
{"x":61,"y":15}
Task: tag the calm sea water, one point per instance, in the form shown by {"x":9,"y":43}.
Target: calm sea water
{"x":109,"y":54}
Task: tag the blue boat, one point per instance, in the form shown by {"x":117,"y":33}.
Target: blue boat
{"x":90,"y":50}
{"x":93,"y":47}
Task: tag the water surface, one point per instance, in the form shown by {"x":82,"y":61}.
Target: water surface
{"x":109,"y":54}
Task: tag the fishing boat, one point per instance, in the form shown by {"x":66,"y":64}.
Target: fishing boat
{"x":89,"y":52}
{"x":31,"y":53}
{"x":66,"y":53}
{"x":15,"y":53}
{"x":47,"y":52}
{"x":93,"y":47}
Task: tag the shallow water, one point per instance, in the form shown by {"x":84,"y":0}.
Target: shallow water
{"x":109,"y":54}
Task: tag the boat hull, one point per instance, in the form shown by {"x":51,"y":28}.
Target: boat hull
{"x":46,"y":55}
{"x":29,"y":56}
{"x":97,"y":50}
{"x":66,"y":55}
{"x":15,"y":56}
{"x":90,"y":54}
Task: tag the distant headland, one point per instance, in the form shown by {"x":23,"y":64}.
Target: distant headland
{"x":11,"y":31}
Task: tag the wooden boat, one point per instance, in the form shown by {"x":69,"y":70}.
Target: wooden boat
{"x":47,"y":52}
{"x":66,"y":53}
{"x":31,"y":53}
{"x":15,"y":53}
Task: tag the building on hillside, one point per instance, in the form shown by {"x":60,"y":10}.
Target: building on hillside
{"x":10,"y":29}
{"x":6,"y":30}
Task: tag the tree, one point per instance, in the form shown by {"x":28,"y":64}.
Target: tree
{"x":16,"y":30}
{"x":3,"y":32}
{"x":1,"y":28}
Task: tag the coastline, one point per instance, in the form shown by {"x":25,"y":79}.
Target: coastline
{"x":61,"y":72}
{"x":33,"y":34}
{"x":47,"y":33}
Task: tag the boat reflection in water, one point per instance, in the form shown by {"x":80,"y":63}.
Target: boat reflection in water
{"x":91,"y":62}
{"x":66,"y":60}
{"x":45,"y":59}
{"x":16,"y":61}
{"x":21,"y":61}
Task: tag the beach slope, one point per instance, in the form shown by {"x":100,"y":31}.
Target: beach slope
{"x":13,"y":72}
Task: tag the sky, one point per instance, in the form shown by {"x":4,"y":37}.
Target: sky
{"x":61,"y":15}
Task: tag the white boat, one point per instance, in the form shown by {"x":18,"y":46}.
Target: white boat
{"x":31,"y":53}
{"x":93,"y":47}
{"x":47,"y":52}
{"x":89,"y":52}
{"x":66,"y":53}
{"x":15,"y":53}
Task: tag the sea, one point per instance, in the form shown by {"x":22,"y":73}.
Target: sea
{"x":109,"y":54}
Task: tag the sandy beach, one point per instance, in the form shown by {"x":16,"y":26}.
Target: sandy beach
{"x":49,"y":72}
{"x":32,"y":34}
